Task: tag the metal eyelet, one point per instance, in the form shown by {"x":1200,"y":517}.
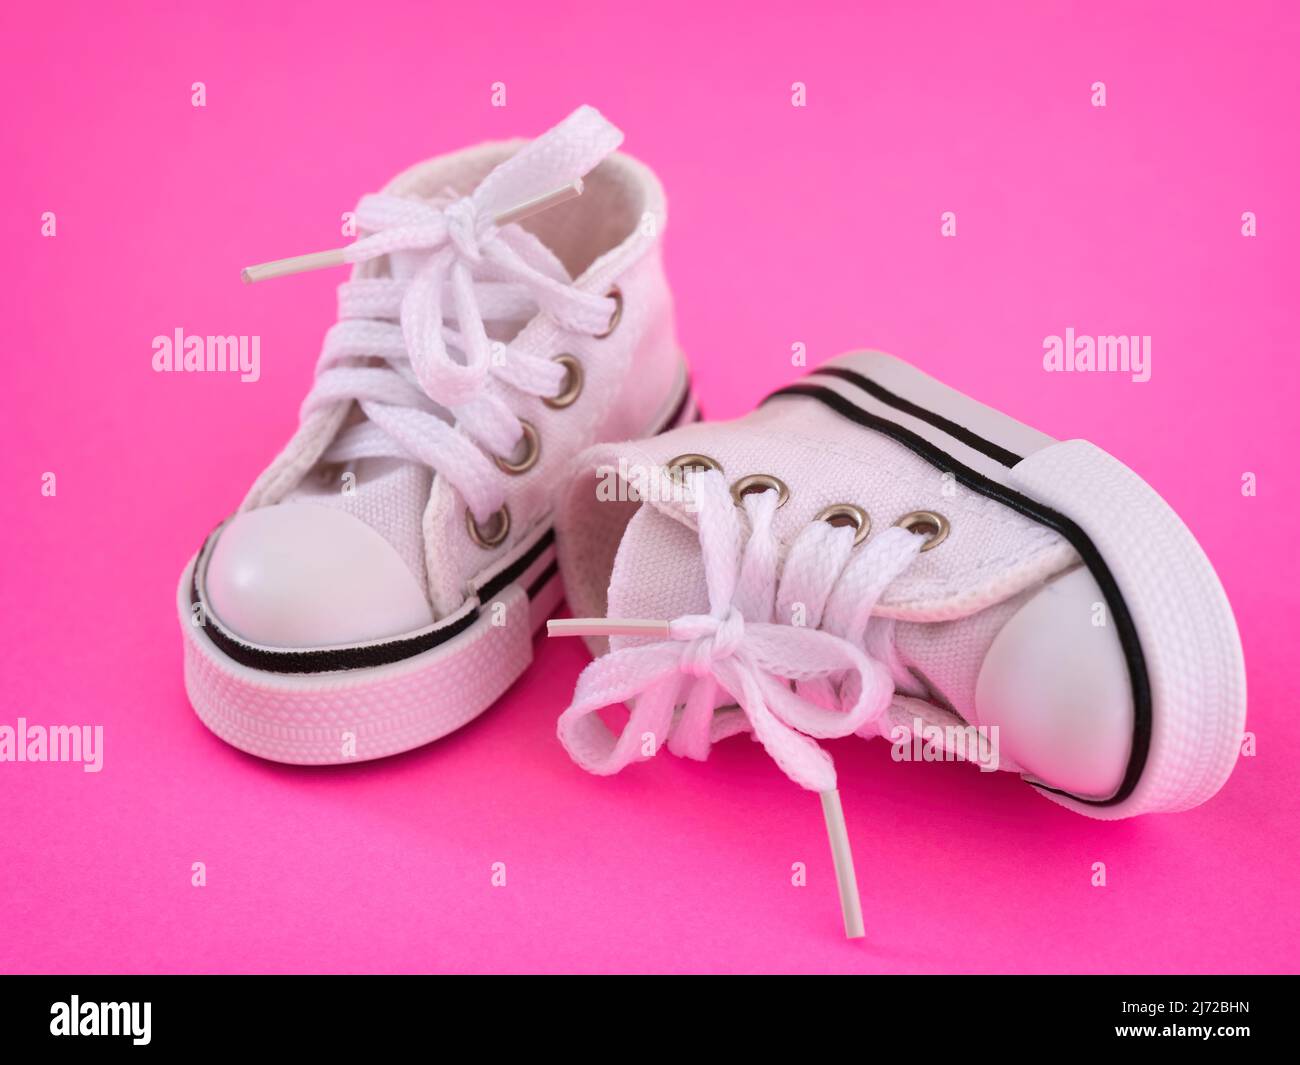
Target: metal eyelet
{"x":616,"y":294}
{"x":760,"y":482}
{"x":677,"y":467}
{"x":573,"y":380}
{"x":842,"y":514}
{"x":919,"y":520}
{"x":532,"y":444}
{"x":501,"y":527}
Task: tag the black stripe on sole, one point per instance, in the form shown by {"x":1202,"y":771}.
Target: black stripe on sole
{"x":1035,"y":511}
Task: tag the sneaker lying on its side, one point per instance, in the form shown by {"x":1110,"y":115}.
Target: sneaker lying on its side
{"x":872,"y":552}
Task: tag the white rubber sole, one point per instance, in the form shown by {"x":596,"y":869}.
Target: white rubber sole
{"x":1183,"y":646}
{"x":357,"y":714}
{"x":360,"y":714}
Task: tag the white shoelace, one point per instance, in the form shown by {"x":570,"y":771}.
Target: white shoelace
{"x":740,"y":648}
{"x":416,"y":354}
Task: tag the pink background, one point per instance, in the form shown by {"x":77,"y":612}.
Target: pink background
{"x":816,"y":225}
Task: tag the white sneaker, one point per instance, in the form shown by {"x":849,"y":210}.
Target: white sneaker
{"x":903,"y":560}
{"x":382,"y":581}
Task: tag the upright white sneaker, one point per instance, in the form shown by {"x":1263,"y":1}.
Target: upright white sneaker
{"x":872,"y":552}
{"x":382,"y":581}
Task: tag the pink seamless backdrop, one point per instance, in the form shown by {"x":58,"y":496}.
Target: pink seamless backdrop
{"x":816,"y":225}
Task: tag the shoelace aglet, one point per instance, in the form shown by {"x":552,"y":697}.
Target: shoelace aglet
{"x":540,"y":203}
{"x":321,"y":260}
{"x":607,"y":627}
{"x":295,"y":264}
{"x":842,"y":857}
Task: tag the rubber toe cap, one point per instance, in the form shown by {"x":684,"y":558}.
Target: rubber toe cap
{"x":304,"y":575}
{"x":1056,"y":685}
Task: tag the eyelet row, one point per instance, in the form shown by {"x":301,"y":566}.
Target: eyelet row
{"x":498,"y":526}
{"x":935,"y":526}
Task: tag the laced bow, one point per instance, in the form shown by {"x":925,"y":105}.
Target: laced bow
{"x":415,"y":352}
{"x":792,"y":683}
